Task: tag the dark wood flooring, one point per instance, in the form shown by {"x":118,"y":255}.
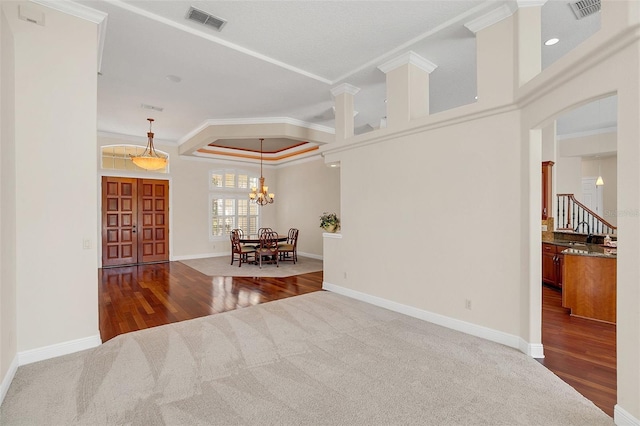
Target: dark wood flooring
{"x":581,"y":352}
{"x":137,"y":297}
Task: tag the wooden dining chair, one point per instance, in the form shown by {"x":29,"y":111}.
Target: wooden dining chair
{"x":289,"y":249}
{"x":268,"y":248}
{"x":242,"y":252}
{"x":263,"y":230}
{"x":240,"y":233}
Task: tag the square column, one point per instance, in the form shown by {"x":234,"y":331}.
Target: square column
{"x":508,"y":49}
{"x":407,"y":88}
{"x":344,"y":110}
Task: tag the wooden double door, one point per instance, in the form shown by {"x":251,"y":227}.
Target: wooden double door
{"x":135,"y":221}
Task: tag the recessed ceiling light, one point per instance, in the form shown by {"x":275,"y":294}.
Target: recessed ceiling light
{"x":174,"y":78}
{"x":551,"y":41}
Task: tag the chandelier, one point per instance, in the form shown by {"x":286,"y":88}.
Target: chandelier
{"x":149,"y":159}
{"x":261,"y":197}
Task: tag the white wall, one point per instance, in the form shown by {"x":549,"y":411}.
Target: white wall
{"x":8,"y":325}
{"x":56,"y":199}
{"x":581,"y":146}
{"x":306,"y":190}
{"x":568,"y":176}
{"x":422,"y":221}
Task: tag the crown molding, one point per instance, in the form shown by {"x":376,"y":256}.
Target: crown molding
{"x":488,"y":19}
{"x":586,"y":133}
{"x":83,"y":12}
{"x":530,"y":3}
{"x":74,"y":9}
{"x":409,"y":57}
{"x":344,"y":88}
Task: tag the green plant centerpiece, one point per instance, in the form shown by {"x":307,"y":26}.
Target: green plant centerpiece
{"x":329,"y":222}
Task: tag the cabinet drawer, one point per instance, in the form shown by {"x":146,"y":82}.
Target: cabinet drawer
{"x":549,"y":248}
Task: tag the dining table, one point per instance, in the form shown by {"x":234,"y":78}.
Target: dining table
{"x":255,"y":239}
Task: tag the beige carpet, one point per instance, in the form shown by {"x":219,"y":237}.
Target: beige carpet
{"x":221,"y":267}
{"x":315,"y":359}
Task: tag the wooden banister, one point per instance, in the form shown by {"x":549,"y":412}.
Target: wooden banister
{"x":574,"y":211}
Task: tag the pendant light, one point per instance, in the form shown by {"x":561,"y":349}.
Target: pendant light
{"x":261,"y":196}
{"x":149,"y":159}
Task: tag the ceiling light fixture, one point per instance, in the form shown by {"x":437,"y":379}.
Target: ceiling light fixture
{"x":149,"y":159}
{"x":261,"y":197}
{"x":551,"y":41}
{"x":599,"y":181}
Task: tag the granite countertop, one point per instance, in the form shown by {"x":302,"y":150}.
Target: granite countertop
{"x":582,"y":249}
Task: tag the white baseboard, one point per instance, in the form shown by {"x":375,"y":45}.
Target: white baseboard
{"x":466,"y":327}
{"x":59,"y":349}
{"x":534,"y":350}
{"x":199,"y":256}
{"x":311,"y":255}
{"x":8,"y":378}
{"x":622,"y":417}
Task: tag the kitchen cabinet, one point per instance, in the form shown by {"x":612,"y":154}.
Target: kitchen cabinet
{"x":552,"y":264}
{"x":546,"y":189}
{"x":590,"y":287}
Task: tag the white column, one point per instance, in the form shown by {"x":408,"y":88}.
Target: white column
{"x":344,"y":110}
{"x":508,"y":47}
{"x":407,"y":88}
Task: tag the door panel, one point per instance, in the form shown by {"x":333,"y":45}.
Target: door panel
{"x":153,"y":214}
{"x":119,"y":243}
{"x":134,"y":221}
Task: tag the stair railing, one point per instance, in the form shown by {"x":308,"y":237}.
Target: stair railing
{"x":572,"y":215}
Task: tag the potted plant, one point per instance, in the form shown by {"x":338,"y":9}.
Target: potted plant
{"x":329,"y":222}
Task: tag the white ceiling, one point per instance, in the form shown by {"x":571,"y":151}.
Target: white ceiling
{"x":281,"y":58}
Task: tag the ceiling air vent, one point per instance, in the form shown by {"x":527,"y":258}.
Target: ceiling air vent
{"x":584,"y":8}
{"x":204,"y":18}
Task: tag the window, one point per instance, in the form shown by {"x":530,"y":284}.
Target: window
{"x":118,"y":157}
{"x":229,"y":205}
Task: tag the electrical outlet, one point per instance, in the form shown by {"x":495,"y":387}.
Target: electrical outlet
{"x":86,"y":244}
{"x":467,"y":304}
{"x":544,"y":228}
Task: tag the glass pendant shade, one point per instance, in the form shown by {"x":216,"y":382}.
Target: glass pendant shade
{"x":150,"y":159}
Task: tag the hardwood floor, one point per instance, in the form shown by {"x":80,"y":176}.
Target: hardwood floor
{"x":138,"y":297}
{"x":581,"y":352}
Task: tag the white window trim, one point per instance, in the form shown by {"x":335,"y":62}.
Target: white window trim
{"x":216,"y":192}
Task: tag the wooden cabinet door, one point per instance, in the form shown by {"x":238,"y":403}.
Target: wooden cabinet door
{"x":135,"y":221}
{"x":559,"y":269}
{"x":119,"y":215}
{"x":546,"y":189}
{"x":549,"y":268}
{"x":153,"y":220}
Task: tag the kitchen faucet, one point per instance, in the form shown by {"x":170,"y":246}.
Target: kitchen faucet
{"x":589,"y":236}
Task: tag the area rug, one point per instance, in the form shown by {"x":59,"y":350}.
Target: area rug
{"x":221,"y":267}
{"x":315,"y":359}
